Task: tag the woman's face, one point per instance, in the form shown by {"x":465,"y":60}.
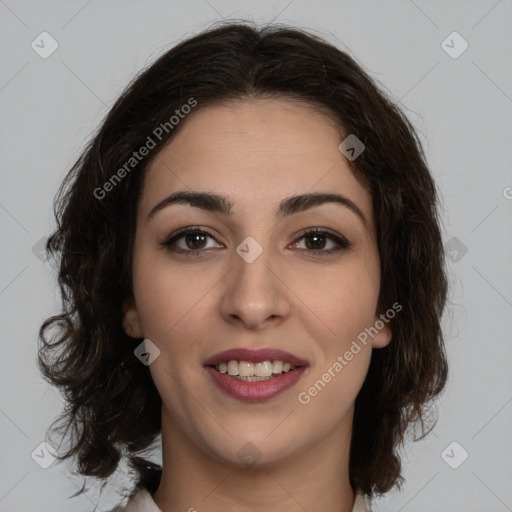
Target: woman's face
{"x":253,"y":278}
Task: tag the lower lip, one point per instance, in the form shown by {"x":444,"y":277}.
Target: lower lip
{"x":256,"y":391}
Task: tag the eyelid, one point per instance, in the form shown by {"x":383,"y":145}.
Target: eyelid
{"x":341,"y":242}
{"x":176,"y":235}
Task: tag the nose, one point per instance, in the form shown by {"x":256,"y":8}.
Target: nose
{"x":255,"y":293}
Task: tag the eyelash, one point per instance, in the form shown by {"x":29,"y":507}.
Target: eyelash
{"x":342,"y":242}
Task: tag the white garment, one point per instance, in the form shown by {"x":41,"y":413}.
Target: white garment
{"x":143,"y":502}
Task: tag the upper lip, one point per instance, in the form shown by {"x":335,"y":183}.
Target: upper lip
{"x":255,"y":356}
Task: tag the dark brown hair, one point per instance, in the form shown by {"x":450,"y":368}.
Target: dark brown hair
{"x":112,"y":406}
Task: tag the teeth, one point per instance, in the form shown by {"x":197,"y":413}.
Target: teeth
{"x":233,"y":367}
{"x":254,"y":371}
{"x":277,"y":367}
{"x":263,"y":369}
{"x":245,"y":369}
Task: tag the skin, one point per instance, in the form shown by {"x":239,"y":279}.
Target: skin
{"x":256,"y":152}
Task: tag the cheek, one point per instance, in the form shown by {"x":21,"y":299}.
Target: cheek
{"x":175,"y":307}
{"x":340,"y":371}
{"x":340,"y":301}
{"x":167,"y":296}
{"x":347,"y":306}
{"x":170,"y":301}
{"x":331,"y":392}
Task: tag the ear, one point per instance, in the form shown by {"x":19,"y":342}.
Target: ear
{"x":131,"y":323}
{"x":383,"y":337}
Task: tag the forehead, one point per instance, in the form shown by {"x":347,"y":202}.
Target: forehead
{"x":256,"y":152}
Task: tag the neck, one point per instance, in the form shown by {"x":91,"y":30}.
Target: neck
{"x":317,"y":479}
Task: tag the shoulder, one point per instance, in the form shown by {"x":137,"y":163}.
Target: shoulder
{"x":360,"y":504}
{"x":140,"y":501}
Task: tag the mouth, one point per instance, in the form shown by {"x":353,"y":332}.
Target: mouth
{"x":255,"y":375}
{"x":253,"y":372}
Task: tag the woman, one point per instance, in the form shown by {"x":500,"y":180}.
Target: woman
{"x":251,"y":266}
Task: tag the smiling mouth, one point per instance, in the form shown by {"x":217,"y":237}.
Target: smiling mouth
{"x":253,"y":372}
{"x":258,"y":380}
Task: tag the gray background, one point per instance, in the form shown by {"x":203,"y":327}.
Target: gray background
{"x":462,"y":108}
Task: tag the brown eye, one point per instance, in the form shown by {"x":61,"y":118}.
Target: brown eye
{"x":315,"y":242}
{"x":193,"y":241}
{"x":322,"y":242}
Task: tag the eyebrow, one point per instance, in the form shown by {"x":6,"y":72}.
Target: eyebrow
{"x":217,"y":203}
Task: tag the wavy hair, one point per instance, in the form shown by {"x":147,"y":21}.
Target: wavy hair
{"x":112,"y":407}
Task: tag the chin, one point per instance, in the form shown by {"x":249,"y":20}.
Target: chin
{"x":256,"y":450}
